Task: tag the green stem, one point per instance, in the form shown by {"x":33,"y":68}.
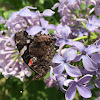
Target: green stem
{"x":16,"y":57}
{"x":84,"y":25}
{"x":80,"y":38}
{"x":85,"y":37}
{"x":15,"y":51}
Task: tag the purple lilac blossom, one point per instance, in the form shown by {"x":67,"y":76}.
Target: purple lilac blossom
{"x":97,"y":82}
{"x":61,"y":6}
{"x":48,"y":13}
{"x":73,"y":4}
{"x":97,"y":8}
{"x":65,"y":4}
{"x":24,"y":18}
{"x":92,"y":2}
{"x":51,"y":81}
{"x":43,"y":28}
{"x":2,"y":20}
{"x":88,"y":63}
{"x":98,"y":45}
{"x":80,"y":84}
{"x":61,"y":79}
{"x":81,"y":32}
{"x":63,"y":60}
{"x":93,"y":24}
{"x":56,"y":80}
{"x":95,"y":4}
{"x":61,"y":34}
{"x":65,"y":7}
{"x":17,"y":21}
{"x":96,"y":58}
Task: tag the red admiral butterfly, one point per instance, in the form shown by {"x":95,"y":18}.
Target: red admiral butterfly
{"x":37,"y":51}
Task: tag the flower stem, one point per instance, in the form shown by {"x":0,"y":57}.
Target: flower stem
{"x":80,"y":38}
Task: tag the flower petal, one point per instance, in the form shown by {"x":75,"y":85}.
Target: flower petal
{"x":96,"y":57}
{"x":79,"y":45}
{"x":90,"y":86}
{"x":71,"y":91}
{"x":72,"y":71}
{"x":2,"y":20}
{"x":60,"y":47}
{"x":97,"y":82}
{"x":51,"y":26}
{"x":85,"y":79}
{"x":25,"y":12}
{"x":84,"y":91}
{"x":55,"y":6}
{"x":89,"y":64}
{"x":61,"y":79}
{"x":57,"y":59}
{"x":44,"y":23}
{"x":48,"y":12}
{"x":44,"y":32}
{"x":70,"y":54}
{"x":49,"y":82}
{"x":78,"y":58}
{"x":68,"y":82}
{"x":91,"y":49}
{"x":59,"y":69}
{"x":65,"y":31}
{"x":33,"y":30}
{"x":51,"y":72}
{"x":98,"y":43}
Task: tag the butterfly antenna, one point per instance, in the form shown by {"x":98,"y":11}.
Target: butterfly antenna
{"x":26,"y":86}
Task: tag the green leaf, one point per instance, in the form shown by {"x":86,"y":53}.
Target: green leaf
{"x":7,"y":13}
{"x":84,"y":25}
{"x":41,"y":1}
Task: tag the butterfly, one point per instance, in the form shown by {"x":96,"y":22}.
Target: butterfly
{"x":37,"y":51}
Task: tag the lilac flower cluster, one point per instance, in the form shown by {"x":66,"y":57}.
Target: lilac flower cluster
{"x":77,"y":37}
{"x":77,"y":60}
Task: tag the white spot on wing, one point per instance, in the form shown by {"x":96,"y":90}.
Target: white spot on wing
{"x":23,"y":50}
{"x":17,"y":41}
{"x":34,"y":59}
{"x":28,"y":41}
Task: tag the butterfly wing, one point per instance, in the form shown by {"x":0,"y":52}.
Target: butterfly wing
{"x":37,"y":51}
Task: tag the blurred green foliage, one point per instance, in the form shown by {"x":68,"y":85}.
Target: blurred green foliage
{"x":8,"y":6}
